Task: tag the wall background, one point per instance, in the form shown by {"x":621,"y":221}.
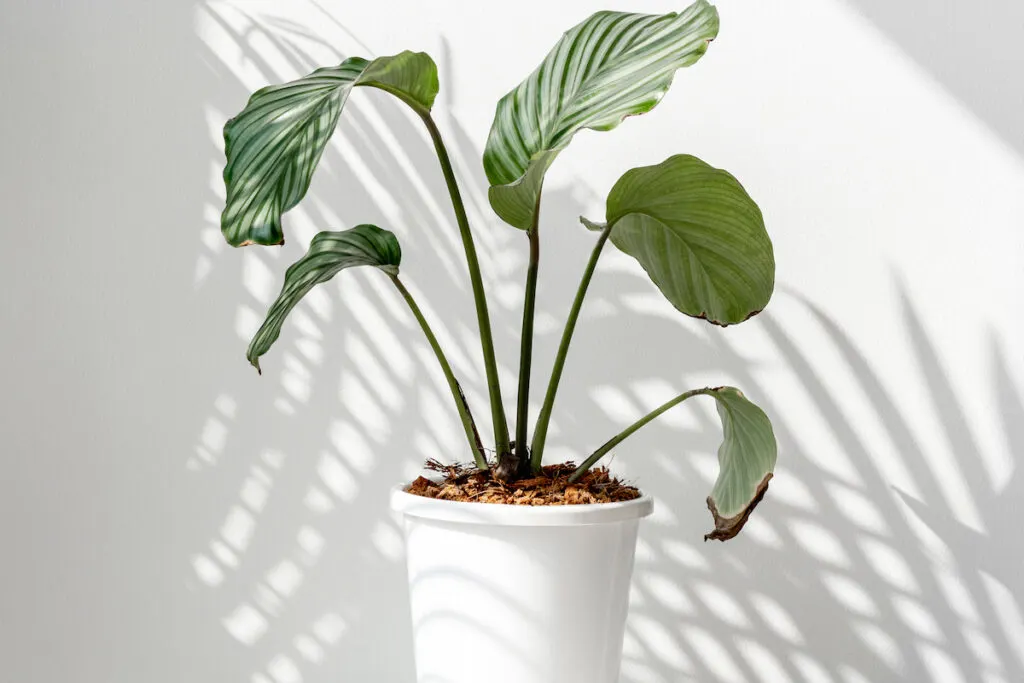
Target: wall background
{"x":166,"y":515}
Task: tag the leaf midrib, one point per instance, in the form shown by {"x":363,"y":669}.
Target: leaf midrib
{"x":690,"y":249}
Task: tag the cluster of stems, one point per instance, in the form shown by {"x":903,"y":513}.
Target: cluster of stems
{"x":513,"y":459}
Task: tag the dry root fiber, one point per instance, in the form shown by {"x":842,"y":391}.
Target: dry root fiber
{"x":550,"y":487}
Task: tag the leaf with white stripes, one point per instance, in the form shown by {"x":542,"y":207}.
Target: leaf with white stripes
{"x":699,"y":236}
{"x":746,"y":459}
{"x":329,"y":254}
{"x":611,"y":66}
{"x":275,"y":143}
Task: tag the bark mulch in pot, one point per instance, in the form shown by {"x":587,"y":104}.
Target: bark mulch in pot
{"x":550,"y":487}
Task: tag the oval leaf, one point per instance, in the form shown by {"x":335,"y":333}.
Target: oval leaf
{"x":746,"y":459}
{"x":329,"y":253}
{"x":611,"y":66}
{"x":275,"y":143}
{"x":699,"y":236}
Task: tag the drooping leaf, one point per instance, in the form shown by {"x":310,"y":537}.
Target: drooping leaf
{"x":329,"y":253}
{"x":699,"y":236}
{"x":746,"y":459}
{"x":275,"y":143}
{"x":611,"y":66}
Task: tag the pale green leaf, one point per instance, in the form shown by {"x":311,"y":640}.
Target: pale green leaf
{"x":611,"y":66}
{"x":516,"y":203}
{"x":329,"y":253}
{"x":274,"y":145}
{"x":409,"y":76}
{"x":746,"y":459}
{"x":699,"y":236}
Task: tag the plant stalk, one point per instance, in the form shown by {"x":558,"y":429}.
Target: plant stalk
{"x":479,"y":297}
{"x":544,"y":418}
{"x":526,"y":342}
{"x":472,"y":435}
{"x":618,"y":438}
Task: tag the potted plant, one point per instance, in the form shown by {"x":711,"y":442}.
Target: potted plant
{"x":519,"y":571}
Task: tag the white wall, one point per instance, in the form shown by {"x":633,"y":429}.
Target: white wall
{"x":167,"y":515}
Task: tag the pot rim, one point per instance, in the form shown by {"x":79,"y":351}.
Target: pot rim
{"x":502,"y":514}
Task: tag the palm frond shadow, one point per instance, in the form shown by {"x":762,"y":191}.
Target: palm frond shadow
{"x":878,"y":606}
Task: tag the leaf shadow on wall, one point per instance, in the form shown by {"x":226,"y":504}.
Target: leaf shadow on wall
{"x":295,"y":571}
{"x":835,"y":583}
{"x":973,"y":49}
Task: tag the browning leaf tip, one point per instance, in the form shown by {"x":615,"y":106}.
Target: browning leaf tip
{"x":728,"y":527}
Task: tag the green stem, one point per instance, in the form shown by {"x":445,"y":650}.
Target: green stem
{"x":541,"y":432}
{"x":618,"y":438}
{"x":479,"y":297}
{"x":472,"y":435}
{"x":526,"y":343}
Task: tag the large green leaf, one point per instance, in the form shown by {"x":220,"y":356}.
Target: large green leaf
{"x":611,"y":66}
{"x":329,"y":253}
{"x":699,"y":236}
{"x":746,"y":459}
{"x":275,"y":143}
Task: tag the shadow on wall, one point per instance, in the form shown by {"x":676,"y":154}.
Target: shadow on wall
{"x":973,"y":49}
{"x":835,"y":582}
{"x":296,"y":571}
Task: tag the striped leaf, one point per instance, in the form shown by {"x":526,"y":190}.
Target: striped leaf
{"x":746,"y":459}
{"x":275,"y":143}
{"x":699,"y":236}
{"x":611,"y":66}
{"x":329,"y":254}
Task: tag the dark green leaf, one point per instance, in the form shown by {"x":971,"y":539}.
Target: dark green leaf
{"x":329,"y":253}
{"x":699,"y":236}
{"x":611,"y":66}
{"x":275,"y":143}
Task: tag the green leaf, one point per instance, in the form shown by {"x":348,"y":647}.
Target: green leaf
{"x":611,"y":66}
{"x":746,"y":459}
{"x":699,"y":236}
{"x":275,"y":143}
{"x":329,"y":254}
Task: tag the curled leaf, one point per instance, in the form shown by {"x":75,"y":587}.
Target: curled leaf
{"x":274,"y":145}
{"x":746,"y":458}
{"x":610,"y":66}
{"x":329,"y":254}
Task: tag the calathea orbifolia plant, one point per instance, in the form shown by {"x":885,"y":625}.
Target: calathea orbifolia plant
{"x":692,"y":227}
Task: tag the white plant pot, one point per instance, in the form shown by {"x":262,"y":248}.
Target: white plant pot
{"x":515,"y":594}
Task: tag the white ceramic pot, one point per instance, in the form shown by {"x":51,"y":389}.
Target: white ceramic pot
{"x":514,"y":594}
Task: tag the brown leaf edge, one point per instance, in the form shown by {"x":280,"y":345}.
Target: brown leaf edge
{"x":726,"y":528}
